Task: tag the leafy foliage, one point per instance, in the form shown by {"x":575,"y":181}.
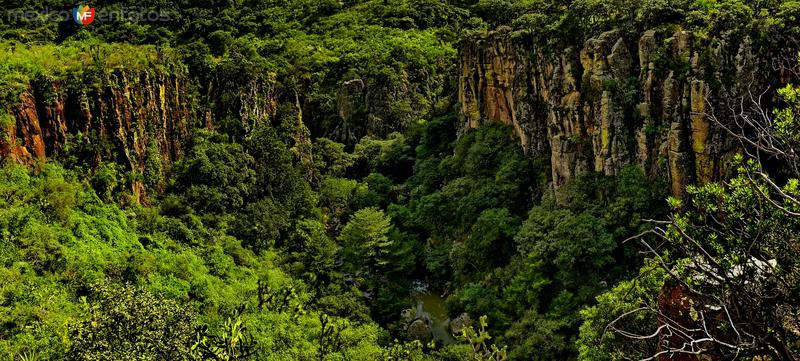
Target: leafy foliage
{"x":365,"y":239}
{"x":216,"y":176}
{"x":332,"y":172}
{"x":131,"y":323}
{"x":98,"y":282}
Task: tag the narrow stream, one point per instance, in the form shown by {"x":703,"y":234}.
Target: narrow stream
{"x":431,"y":304}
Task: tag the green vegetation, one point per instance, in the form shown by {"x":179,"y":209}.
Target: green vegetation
{"x":24,"y":64}
{"x":233,"y":252}
{"x":87,"y":280}
{"x":323,"y":179}
{"x":729,"y":247}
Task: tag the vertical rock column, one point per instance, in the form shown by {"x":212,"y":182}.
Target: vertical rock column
{"x":607,"y":67}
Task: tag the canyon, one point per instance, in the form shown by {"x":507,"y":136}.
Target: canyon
{"x":615,"y":101}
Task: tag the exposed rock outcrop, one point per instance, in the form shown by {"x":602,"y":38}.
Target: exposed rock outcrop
{"x":130,"y":117}
{"x":460,"y":323}
{"x":139,"y":118}
{"x":420,"y":330}
{"x":679,"y":309}
{"x":236,"y":102}
{"x":615,"y":101}
{"x":417,"y":324}
{"x":378,"y":106}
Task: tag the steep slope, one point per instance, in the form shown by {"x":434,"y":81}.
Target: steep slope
{"x":615,"y":101}
{"x":132,"y":105}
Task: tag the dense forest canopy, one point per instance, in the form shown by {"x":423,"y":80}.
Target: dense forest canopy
{"x":299,"y":180}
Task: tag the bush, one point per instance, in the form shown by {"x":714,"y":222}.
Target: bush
{"x":215,"y":175}
{"x":130,"y":323}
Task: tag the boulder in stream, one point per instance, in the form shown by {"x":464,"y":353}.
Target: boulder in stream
{"x":420,"y":330}
{"x":459,"y":323}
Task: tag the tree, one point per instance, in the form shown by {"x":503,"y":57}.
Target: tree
{"x":490,"y":242}
{"x":393,"y":156}
{"x":215,"y":175}
{"x":232,"y":343}
{"x":379,"y":191}
{"x":366,"y":241}
{"x":655,"y":12}
{"x":261,"y":224}
{"x":337,"y":200}
{"x":482,"y":349}
{"x":311,"y":246}
{"x":618,"y":309}
{"x":574,"y":248}
{"x":130,"y":323}
{"x":731,"y":250}
{"x":330,"y":158}
{"x":275,"y":174}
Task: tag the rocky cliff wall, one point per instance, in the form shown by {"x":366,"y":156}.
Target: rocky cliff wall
{"x":130,"y":117}
{"x":138,"y":117}
{"x":377,"y":107}
{"x":615,"y":100}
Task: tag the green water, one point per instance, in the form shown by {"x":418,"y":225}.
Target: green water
{"x":433,"y":305}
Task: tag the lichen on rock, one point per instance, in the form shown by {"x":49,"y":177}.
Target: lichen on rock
{"x":592,"y":109}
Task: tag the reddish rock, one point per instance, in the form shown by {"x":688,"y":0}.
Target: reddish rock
{"x":679,"y":308}
{"x":124,"y":116}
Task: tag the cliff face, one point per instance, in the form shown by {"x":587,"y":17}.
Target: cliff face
{"x":138,"y":119}
{"x":613,"y":102}
{"x":375,"y":107}
{"x":131,"y":117}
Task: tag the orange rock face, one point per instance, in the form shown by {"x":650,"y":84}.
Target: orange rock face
{"x":120,"y":119}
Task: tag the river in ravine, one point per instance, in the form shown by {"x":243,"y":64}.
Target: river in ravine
{"x":430,"y":303}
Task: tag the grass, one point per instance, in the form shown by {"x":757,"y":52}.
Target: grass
{"x":20,"y":64}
